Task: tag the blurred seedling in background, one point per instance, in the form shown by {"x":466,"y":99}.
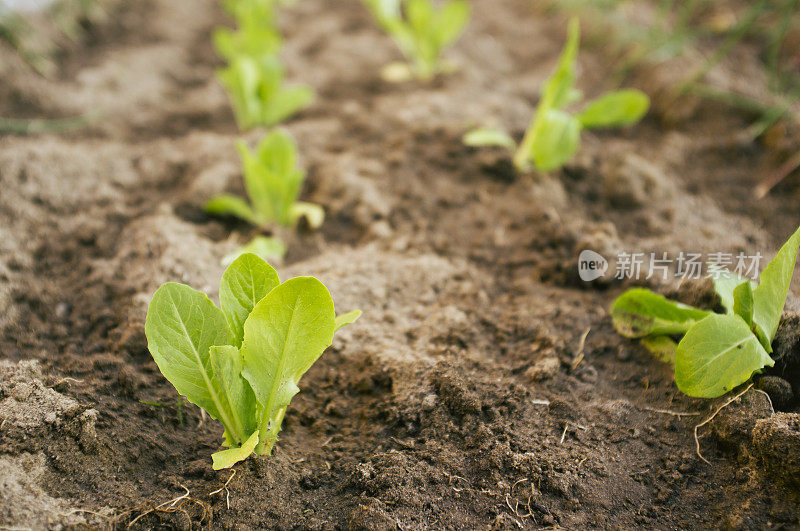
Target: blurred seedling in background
{"x":255,"y":75}
{"x":422,"y":30}
{"x":38,"y":31}
{"x":718,"y":352}
{"x":256,"y":34}
{"x":273,"y":183}
{"x":242,"y":361}
{"x":258,"y":93}
{"x":553,"y":136}
{"x":693,"y":37}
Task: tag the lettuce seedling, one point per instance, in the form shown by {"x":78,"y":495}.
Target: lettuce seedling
{"x":422,"y":34}
{"x":242,"y":361}
{"x":553,"y":136}
{"x":273,"y":182}
{"x":718,"y":352}
{"x":256,"y":88}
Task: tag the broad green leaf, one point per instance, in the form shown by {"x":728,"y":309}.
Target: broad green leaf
{"x":557,"y":141}
{"x":270,"y":248}
{"x":227,"y":363}
{"x":662,"y":347}
{"x":228,"y":458}
{"x":623,"y":107}
{"x":770,"y":295}
{"x":724,"y":283}
{"x":246,"y":281}
{"x":452,"y":20}
{"x":489,"y":137}
{"x":639,"y":312}
{"x":277,"y":152}
{"x":743,"y":302}
{"x":285,"y":334}
{"x":285,"y":103}
{"x":230,"y":205}
{"x":716,"y":355}
{"x":314,"y":214}
{"x":420,"y":15}
{"x":346,"y":319}
{"x":182,"y":325}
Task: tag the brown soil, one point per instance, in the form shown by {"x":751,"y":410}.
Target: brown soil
{"x":458,"y":400}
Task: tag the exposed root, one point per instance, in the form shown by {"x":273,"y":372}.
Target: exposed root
{"x":225,"y":488}
{"x":175,"y":505}
{"x":709,"y":419}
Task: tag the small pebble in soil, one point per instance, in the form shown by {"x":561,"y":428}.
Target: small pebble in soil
{"x":544,"y":369}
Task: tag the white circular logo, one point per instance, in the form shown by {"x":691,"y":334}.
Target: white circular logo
{"x":591,"y":265}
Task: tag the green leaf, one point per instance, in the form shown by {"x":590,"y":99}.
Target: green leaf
{"x":346,"y":319}
{"x":285,"y":334}
{"x":420,"y":15}
{"x":770,"y":295}
{"x":724,"y":283}
{"x":623,"y":107}
{"x":314,"y":214}
{"x":270,"y":248}
{"x":489,"y":137}
{"x":226,"y":360}
{"x":228,"y":458}
{"x":716,"y":355}
{"x":242,"y":79}
{"x":451,"y":22}
{"x":256,"y":183}
{"x":559,"y":86}
{"x":640,"y":312}
{"x":182,"y":325}
{"x":285,"y":103}
{"x":553,"y":136}
{"x":250,"y":40}
{"x":662,"y":347}
{"x":246,"y":281}
{"x":743,"y":302}
{"x":557,"y":142}
{"x":230,"y":205}
{"x":277,"y":152}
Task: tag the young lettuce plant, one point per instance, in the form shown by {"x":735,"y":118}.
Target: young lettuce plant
{"x":421,"y":35}
{"x":257,"y":34}
{"x":256,"y":88}
{"x":251,"y":39}
{"x":273,"y":182}
{"x":553,"y":136}
{"x":718,"y":352}
{"x":242,"y":361}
